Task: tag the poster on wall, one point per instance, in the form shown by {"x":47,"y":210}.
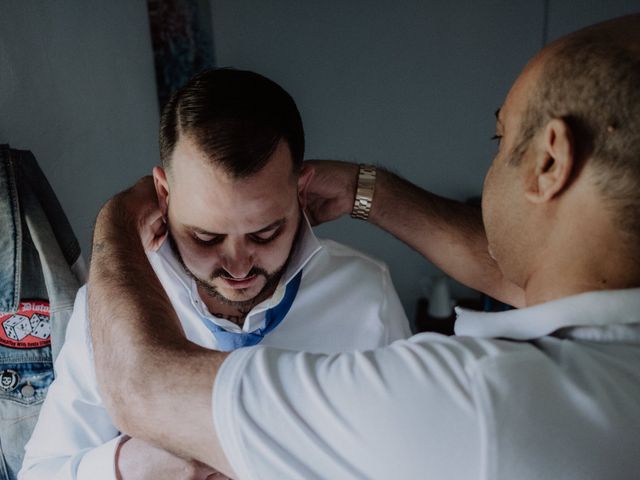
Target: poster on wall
{"x":182,"y":40}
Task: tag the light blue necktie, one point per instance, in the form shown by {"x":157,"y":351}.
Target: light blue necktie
{"x":228,"y":341}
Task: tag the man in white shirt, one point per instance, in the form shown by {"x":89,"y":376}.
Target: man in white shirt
{"x":240,"y":266}
{"x":551,"y":390}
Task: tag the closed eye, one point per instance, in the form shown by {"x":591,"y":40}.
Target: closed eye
{"x":266,"y":236}
{"x":205,"y":239}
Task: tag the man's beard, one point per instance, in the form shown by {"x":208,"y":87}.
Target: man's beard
{"x":243,"y":306}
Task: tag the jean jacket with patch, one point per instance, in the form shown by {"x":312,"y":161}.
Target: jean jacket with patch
{"x":41,"y":268}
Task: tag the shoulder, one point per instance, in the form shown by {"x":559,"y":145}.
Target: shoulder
{"x":340,"y":250}
{"x":343,"y":257}
{"x":342,"y":283}
{"x":345,"y":271}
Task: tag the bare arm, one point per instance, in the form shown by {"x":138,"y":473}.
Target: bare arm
{"x":448,"y":233}
{"x":160,"y":390}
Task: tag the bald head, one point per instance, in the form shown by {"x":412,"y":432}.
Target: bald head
{"x":591,"y":80}
{"x":622,"y":31}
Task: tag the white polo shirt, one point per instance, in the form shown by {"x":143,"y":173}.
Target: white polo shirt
{"x":547,"y":392}
{"x":346,"y":301}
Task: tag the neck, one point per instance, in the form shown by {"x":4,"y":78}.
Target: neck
{"x":237,"y":319}
{"x":234,"y":312}
{"x":577,"y":246}
{"x":594,"y":264}
{"x":542,"y":288}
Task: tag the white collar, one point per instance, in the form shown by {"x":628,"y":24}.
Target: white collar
{"x":609,"y":315}
{"x":305,"y":248}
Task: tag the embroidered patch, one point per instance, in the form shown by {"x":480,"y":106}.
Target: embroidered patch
{"x":29,"y":327}
{"x":8,"y":380}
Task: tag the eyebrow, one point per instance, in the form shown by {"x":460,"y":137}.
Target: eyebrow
{"x":271,"y":226}
{"x":497,"y":114}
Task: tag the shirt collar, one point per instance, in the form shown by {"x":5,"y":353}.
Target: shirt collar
{"x":611,"y":315}
{"x":304,"y":249}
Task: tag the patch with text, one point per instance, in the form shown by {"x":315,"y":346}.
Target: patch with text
{"x":29,"y":327}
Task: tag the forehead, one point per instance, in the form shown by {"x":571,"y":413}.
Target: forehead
{"x":202,"y":194}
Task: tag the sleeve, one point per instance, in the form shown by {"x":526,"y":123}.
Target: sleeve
{"x":402,"y":411}
{"x":74,"y":437}
{"x":392,"y":313}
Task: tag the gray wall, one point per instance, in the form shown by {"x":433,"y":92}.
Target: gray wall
{"x":410,"y":85}
{"x":77,"y":88}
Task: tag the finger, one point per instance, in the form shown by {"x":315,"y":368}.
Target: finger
{"x":156,"y":243}
{"x":156,"y":219}
{"x":158,"y":224}
{"x":217,"y":476}
{"x":309,"y":211}
{"x":154,"y":233}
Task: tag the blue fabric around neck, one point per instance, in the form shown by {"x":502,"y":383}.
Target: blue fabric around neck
{"x":228,"y":341}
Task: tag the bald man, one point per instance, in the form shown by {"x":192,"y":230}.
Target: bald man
{"x":549,"y":390}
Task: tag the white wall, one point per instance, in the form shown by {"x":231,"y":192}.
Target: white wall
{"x":77,"y":87}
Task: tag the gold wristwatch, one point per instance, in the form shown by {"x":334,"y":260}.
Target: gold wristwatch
{"x":364,"y":192}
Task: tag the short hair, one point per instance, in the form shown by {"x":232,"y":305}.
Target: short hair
{"x":236,"y":117}
{"x":592,"y":82}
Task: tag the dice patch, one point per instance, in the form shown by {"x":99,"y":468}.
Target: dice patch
{"x":29,"y":327}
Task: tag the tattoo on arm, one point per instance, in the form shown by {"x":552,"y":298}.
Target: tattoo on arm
{"x":98,"y":247}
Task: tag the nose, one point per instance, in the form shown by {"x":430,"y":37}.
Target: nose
{"x":237,"y":259}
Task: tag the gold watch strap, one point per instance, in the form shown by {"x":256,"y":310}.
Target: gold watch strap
{"x":364,"y":192}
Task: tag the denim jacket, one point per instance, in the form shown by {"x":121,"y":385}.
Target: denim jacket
{"x":40,"y":271}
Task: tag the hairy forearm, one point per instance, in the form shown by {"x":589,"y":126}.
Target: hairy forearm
{"x":155,"y":383}
{"x":449,"y":233}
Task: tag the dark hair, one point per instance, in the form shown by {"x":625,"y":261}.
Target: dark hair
{"x":236,"y":117}
{"x":593,"y":83}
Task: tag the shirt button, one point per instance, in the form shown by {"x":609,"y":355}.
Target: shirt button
{"x":28,"y":391}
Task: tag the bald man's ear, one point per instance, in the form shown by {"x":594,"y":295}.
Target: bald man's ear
{"x":162,"y":189}
{"x":553,"y":163}
{"x":304,"y":180}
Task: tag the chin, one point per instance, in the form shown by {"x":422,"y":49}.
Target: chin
{"x":240,"y":295}
{"x":237,"y":295}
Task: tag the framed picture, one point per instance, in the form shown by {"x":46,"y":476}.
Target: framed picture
{"x":182,"y":40}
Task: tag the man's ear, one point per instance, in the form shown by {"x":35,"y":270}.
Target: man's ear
{"x":304,"y":180}
{"x":553,"y":164}
{"x":162,"y":189}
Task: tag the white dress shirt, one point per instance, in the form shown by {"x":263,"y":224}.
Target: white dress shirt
{"x":551,"y":391}
{"x":346,"y":301}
